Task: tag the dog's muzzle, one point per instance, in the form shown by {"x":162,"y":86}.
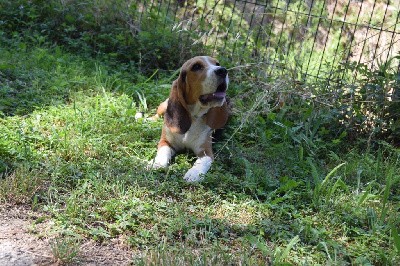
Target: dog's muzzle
{"x":220,"y":93}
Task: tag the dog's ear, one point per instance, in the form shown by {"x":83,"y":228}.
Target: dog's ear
{"x":217,"y":117}
{"x":177,"y":116}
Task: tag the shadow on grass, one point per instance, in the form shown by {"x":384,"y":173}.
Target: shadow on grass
{"x":35,"y":77}
{"x":21,"y":93}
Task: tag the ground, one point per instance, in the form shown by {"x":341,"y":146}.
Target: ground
{"x":22,"y":242}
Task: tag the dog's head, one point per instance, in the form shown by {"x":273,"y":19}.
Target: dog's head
{"x":202,"y":82}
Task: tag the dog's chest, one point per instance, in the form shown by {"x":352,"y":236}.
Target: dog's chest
{"x":194,"y":138}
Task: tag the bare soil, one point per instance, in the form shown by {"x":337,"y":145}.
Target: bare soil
{"x":25,"y":241}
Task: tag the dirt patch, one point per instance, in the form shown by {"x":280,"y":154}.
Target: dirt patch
{"x":17,"y":245}
{"x":22,"y":242}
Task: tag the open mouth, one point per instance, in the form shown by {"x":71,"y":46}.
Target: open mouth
{"x":218,"y":95}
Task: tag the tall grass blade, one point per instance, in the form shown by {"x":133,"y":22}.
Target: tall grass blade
{"x":326,"y":250}
{"x":151,"y":77}
{"x":338,"y":184}
{"x":314,"y":172}
{"x":396,"y":239}
{"x":326,"y":179}
{"x":288,"y":248}
{"x":364,"y":196}
{"x":386,"y":194}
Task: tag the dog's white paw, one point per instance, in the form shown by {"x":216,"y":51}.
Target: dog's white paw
{"x":162,"y":159}
{"x":154,"y":165}
{"x":199,"y":169}
{"x":193,"y":175}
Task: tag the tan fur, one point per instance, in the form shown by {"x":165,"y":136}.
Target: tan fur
{"x":162,"y":108}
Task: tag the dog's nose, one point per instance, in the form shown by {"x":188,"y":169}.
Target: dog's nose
{"x":221,"y":72}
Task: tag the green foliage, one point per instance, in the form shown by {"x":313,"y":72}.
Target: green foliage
{"x":21,"y":185}
{"x":292,"y":183}
{"x":275,"y":177}
{"x":182,"y":255}
{"x":112,"y":29}
{"x":65,"y":249}
{"x":370,"y":107}
{"x":396,"y":239}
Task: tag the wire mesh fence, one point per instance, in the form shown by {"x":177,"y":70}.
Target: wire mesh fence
{"x":313,"y":39}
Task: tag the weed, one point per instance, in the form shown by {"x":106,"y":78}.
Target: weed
{"x":396,"y":239}
{"x":280,"y":256}
{"x":65,"y":249}
{"x":21,"y":185}
{"x":183,"y":255}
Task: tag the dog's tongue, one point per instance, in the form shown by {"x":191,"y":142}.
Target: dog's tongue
{"x":212,"y":96}
{"x":219,"y":95}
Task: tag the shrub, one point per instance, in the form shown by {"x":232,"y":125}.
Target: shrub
{"x":367,"y":107}
{"x":114,"y":29}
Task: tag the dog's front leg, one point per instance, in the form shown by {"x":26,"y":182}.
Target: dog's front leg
{"x":163,"y":157}
{"x":203,"y":163}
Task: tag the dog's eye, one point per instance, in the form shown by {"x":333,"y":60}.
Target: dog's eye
{"x":217,"y":64}
{"x":197,"y":67}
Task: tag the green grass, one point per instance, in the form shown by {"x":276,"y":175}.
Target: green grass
{"x":280,"y":192}
{"x":65,"y":249}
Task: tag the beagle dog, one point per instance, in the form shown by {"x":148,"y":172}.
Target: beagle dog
{"x":197,"y":105}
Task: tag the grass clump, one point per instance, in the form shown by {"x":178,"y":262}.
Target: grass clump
{"x":21,"y":186}
{"x":65,"y":250}
{"x":182,"y":255}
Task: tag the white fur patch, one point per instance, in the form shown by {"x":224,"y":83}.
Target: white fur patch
{"x":162,"y":159}
{"x":193,"y":139}
{"x":199,"y":169}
